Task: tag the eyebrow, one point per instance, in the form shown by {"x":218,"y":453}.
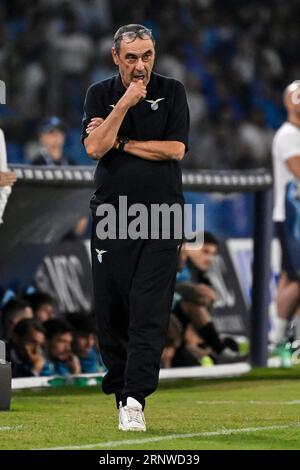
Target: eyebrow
{"x":149,"y":51}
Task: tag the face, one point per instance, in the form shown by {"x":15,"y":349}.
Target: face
{"x":206,"y":255}
{"x":34,"y":339}
{"x":60,"y":346}
{"x":16,"y":318}
{"x":44,"y":312}
{"x":135,"y":60}
{"x":83,"y":343}
{"x":53,"y":139}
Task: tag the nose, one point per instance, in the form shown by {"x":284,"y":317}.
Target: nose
{"x":140,"y":65}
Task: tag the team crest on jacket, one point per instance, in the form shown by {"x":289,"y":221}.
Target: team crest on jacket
{"x":99,"y":254}
{"x":154,"y":103}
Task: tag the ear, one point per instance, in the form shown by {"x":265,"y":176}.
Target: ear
{"x":115,"y":56}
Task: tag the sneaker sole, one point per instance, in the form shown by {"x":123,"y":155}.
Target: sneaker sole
{"x":131,"y":429}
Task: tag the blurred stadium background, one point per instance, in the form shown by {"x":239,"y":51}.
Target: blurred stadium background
{"x":235,"y":59}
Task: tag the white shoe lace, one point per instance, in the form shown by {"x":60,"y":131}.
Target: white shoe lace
{"x":134,"y":414}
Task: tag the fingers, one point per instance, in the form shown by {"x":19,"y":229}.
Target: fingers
{"x":140,"y":90}
{"x":143,"y":89}
{"x":143,"y":94}
{"x":7,"y":178}
{"x":90,"y":129}
{"x":10,"y":177}
{"x":95,"y":122}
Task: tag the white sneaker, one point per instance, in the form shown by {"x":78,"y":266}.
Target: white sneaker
{"x":131,"y":416}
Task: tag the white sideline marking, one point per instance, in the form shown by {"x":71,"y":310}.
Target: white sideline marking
{"x":10,"y":428}
{"x":248,"y":402}
{"x":221,"y":432}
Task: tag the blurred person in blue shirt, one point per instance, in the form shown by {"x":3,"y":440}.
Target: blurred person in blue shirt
{"x":52,"y":135}
{"x":42,"y":304}
{"x":84,"y":342}
{"x":194,"y":298}
{"x":25,"y":350}
{"x":59,"y":334}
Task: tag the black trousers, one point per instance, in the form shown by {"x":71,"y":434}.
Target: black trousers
{"x":133,"y":289}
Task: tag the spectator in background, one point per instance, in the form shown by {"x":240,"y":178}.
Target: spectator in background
{"x":196,"y":296}
{"x":176,"y":352}
{"x":52,"y":133}
{"x":42,"y":304}
{"x":7,"y":178}
{"x":286,"y":164}
{"x":73,"y":48}
{"x":173,"y":342}
{"x":59,"y":335}
{"x":12,"y":313}
{"x":25,"y":350}
{"x":94,"y":15}
{"x":199,"y":261}
{"x":255,"y":140}
{"x":84,"y":342}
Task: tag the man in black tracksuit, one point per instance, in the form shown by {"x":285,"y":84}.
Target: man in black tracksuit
{"x":136,"y":125}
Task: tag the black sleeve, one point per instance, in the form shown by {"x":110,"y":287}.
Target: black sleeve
{"x":179,"y":119}
{"x":93,"y":107}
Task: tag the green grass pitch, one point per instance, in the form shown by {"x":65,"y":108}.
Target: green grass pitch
{"x":258,"y":411}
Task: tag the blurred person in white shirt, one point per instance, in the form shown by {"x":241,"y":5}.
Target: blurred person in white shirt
{"x":286,"y":167}
{"x":7,"y":178}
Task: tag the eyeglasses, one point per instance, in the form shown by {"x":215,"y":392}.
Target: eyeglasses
{"x":130,"y":36}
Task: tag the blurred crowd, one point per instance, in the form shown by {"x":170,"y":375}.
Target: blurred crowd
{"x":41,"y":341}
{"x":234,"y":57}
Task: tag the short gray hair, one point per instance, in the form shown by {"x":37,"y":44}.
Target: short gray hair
{"x":128,"y":28}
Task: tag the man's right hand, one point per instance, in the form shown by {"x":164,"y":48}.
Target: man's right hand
{"x":74,"y":364}
{"x":7,"y":178}
{"x":136,"y":92}
{"x":36,"y":357}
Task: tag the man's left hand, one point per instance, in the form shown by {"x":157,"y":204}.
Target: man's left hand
{"x":95,"y":122}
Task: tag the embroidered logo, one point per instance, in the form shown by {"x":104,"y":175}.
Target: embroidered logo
{"x":154,"y":103}
{"x":99,"y":254}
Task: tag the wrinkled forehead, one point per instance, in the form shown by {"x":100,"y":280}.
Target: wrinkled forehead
{"x":138,"y":46}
